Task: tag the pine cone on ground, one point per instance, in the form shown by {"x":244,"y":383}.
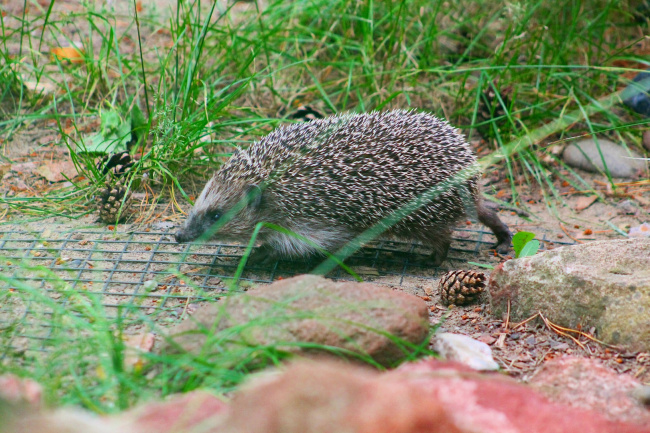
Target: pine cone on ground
{"x":305,"y":113}
{"x":461,"y":287}
{"x":110,"y":198}
{"x":118,"y":163}
{"x":109,"y":201}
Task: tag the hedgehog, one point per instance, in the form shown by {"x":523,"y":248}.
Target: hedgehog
{"x":331,"y":179}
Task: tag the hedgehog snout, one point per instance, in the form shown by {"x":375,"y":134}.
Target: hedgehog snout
{"x":181,"y":236}
{"x":186,"y":233}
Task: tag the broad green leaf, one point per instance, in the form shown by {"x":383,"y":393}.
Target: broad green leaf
{"x":530,"y":249}
{"x":520,"y":239}
{"x":115,"y":134}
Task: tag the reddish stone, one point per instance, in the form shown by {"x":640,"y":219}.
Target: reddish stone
{"x":17,"y":390}
{"x":178,"y":413}
{"x":309,"y":315}
{"x":426,"y":397}
{"x":586,"y":383}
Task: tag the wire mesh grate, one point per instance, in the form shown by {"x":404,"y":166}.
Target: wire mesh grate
{"x":146,"y":275}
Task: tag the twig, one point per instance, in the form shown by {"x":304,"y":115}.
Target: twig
{"x":569,"y":235}
{"x":525,"y":321}
{"x":551,"y":326}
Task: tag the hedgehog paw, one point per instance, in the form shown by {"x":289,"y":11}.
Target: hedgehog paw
{"x":502,"y":247}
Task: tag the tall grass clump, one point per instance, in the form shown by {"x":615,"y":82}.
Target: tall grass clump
{"x":225,"y":74}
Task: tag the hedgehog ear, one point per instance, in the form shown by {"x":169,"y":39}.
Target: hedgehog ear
{"x":254,"y":196}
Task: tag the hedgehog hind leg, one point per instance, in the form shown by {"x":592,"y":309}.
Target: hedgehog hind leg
{"x":439,"y":240}
{"x":440,"y":249}
{"x":490,"y":219}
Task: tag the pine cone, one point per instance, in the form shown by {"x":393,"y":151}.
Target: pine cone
{"x":305,"y":113}
{"x":109,"y":201}
{"x":118,"y":164}
{"x":461,"y":287}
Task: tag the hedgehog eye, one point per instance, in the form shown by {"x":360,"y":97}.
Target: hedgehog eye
{"x":214,"y":215}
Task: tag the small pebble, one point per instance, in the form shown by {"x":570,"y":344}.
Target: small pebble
{"x":457,"y":347}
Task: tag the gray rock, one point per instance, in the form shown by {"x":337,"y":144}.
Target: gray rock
{"x":619,"y":160}
{"x":305,"y":315}
{"x":605,"y":284}
{"x":461,"y":348}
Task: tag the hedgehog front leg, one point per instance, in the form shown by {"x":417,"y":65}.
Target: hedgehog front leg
{"x":489,"y":218}
{"x":264,"y":255}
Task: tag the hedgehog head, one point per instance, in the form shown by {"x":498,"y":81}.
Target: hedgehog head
{"x":227,"y":207}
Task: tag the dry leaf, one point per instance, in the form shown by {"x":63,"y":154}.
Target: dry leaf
{"x":4,"y":169}
{"x":57,"y":171}
{"x":72,"y":54}
{"x":135,"y":346}
{"x":24,"y":167}
{"x":40,"y":87}
{"x":584,"y":202}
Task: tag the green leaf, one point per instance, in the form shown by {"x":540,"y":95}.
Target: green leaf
{"x":115,"y":134}
{"x":530,"y":249}
{"x":519,"y":240}
{"x":110,"y":122}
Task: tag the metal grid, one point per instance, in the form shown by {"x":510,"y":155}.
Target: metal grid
{"x":155,"y":277}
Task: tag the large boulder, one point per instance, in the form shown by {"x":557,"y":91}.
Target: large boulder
{"x":425,"y":397}
{"x":309,"y":314}
{"x":587,"y":384}
{"x":605,"y":284}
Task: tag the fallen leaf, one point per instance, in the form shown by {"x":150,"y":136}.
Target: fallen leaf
{"x":584,"y":202}
{"x":72,"y":54}
{"x":641,"y":200}
{"x":24,"y":167}
{"x":487,"y":339}
{"x":136,"y":345}
{"x":4,"y":169}
{"x":57,"y":171}
{"x":39,"y":87}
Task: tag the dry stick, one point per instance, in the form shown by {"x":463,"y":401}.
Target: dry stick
{"x":584,"y":334}
{"x":551,"y":327}
{"x":525,"y":321}
{"x":569,"y":235}
{"x":187,"y":302}
{"x":560,"y":330}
